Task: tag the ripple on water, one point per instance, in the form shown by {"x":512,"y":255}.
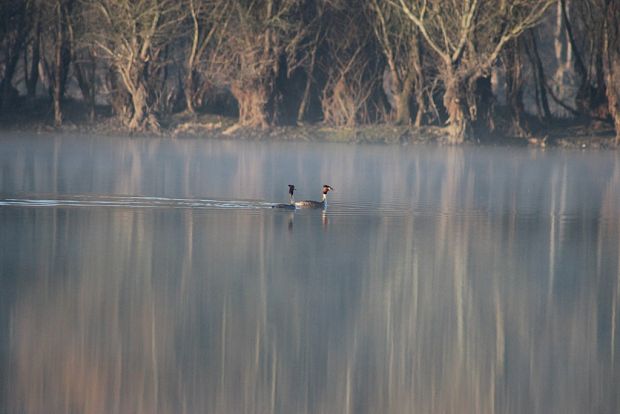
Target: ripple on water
{"x":141,"y":202}
{"x":335,"y":208}
{"x":383,"y":209}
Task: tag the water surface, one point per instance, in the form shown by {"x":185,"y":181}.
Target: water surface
{"x":152,"y":276}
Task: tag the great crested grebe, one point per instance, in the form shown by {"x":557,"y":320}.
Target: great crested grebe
{"x":291,"y":204}
{"x":316,"y":204}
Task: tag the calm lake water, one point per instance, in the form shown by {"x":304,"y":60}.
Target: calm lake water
{"x":152,"y":276}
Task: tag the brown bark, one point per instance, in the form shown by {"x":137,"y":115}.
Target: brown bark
{"x":252,"y":105}
{"x":138,"y":100}
{"x":141,"y":116}
{"x":469,"y":103}
{"x":138,"y":116}
{"x":398,"y":90}
{"x":539,"y":73}
{"x":56,"y":88}
{"x":611,"y":63}
{"x":403,"y":113}
{"x":189,"y":87}
{"x":419,"y":84}
{"x":515,"y":87}
{"x":454,"y":100}
{"x":188,"y":91}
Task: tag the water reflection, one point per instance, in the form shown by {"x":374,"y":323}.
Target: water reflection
{"x":461,"y":282}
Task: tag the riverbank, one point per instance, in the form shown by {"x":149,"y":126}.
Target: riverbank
{"x":37,"y":118}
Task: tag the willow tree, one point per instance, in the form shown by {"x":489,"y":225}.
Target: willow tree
{"x":402,"y":48}
{"x":467,"y":37}
{"x":350,"y":66}
{"x":205,"y":19}
{"x":132,"y":35}
{"x":255,"y":40}
{"x":585,"y":25}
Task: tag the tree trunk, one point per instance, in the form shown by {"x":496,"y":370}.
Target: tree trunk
{"x":539,"y":74}
{"x":611,"y":63}
{"x":454,"y":100}
{"x":419,"y":84}
{"x":139,"y":115}
{"x":252,"y":106}
{"x":57,"y":93}
{"x":481,"y":103}
{"x":13,"y":45}
{"x":62,"y":58}
{"x":580,"y":66}
{"x":403,"y":113}
{"x":32,"y":69}
{"x":189,"y":84}
{"x":514,"y":87}
{"x":85,"y":75}
{"x":188,"y":91}
{"x":93,"y":87}
{"x":138,"y":121}
{"x":421,"y":106}
{"x":613,"y":97}
{"x":301,"y":112}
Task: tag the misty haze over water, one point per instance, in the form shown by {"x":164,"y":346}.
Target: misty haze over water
{"x":142,"y":275}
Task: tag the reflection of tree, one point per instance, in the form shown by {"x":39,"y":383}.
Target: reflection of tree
{"x":476,"y":305}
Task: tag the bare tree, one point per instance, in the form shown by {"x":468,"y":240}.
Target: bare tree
{"x":254,"y":39}
{"x":309,"y":54}
{"x":132,"y":36}
{"x":402,"y":48}
{"x":205,"y":18}
{"x":56,"y":51}
{"x":584,"y":23}
{"x":350,"y":67}
{"x":467,"y":37}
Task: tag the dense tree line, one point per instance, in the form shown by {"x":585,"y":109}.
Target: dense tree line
{"x":342,"y":62}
